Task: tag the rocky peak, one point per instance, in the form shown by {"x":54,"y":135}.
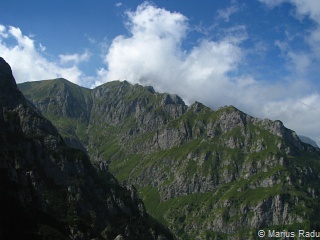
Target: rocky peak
{"x":7,"y":79}
{"x":172,"y":99}
{"x":151,"y":89}
{"x":196,"y":107}
{"x":9,"y":94}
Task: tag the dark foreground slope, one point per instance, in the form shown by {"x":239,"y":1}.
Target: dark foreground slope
{"x":51,"y":191}
{"x":206,"y":174}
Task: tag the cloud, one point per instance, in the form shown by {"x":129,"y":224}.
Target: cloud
{"x":272,"y":3}
{"x":225,"y":14}
{"x":90,"y":39}
{"x":3,"y":32}
{"x":27,"y":61}
{"x":309,"y":8}
{"x":75,"y":58}
{"x":307,"y":60}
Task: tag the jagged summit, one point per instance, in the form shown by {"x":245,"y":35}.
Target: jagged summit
{"x":9,"y":91}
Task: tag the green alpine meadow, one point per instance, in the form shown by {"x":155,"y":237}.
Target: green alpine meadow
{"x":203,"y":173}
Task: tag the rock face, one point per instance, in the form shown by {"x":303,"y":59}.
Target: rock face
{"x":51,"y":191}
{"x":206,"y":174}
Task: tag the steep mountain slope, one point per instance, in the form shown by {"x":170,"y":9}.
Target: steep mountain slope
{"x":206,"y":174}
{"x":51,"y":191}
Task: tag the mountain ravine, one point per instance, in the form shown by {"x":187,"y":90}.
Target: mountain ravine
{"x":51,"y":191}
{"x":205,"y":174}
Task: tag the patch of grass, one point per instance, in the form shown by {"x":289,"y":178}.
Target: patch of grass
{"x":123,"y":168}
{"x":151,"y":198}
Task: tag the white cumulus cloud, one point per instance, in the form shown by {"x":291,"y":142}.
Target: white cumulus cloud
{"x":27,"y":61}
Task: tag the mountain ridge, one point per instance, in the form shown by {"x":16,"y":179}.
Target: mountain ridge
{"x":204,"y":173}
{"x":276,"y":127}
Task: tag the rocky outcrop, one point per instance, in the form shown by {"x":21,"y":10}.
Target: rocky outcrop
{"x":51,"y":191}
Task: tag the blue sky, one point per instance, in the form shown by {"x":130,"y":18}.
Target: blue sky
{"x":261,"y":56}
